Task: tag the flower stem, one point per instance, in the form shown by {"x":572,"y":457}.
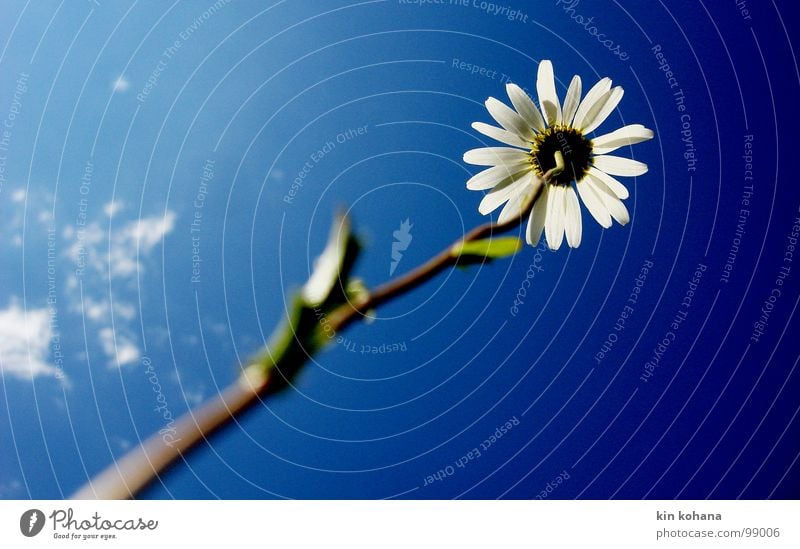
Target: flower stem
{"x":340,"y":318}
{"x":127,"y":476}
{"x":557,"y":169}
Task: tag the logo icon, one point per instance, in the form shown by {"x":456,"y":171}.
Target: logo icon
{"x":31,"y":522}
{"x":402,"y":240}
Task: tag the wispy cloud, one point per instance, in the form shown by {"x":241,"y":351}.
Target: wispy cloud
{"x":111,"y":208}
{"x":25,"y":342}
{"x":120,"y":346}
{"x":120,"y":254}
{"x":12,"y":489}
{"x":138,"y":237}
{"x":121,"y":84}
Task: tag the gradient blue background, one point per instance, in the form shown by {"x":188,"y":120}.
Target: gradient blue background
{"x":258,"y":88}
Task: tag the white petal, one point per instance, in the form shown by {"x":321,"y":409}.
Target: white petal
{"x":536,"y":185}
{"x":525,"y":107}
{"x":627,"y":135}
{"x":597,"y":91}
{"x":501,"y":135}
{"x":499,"y":195}
{"x":614,"y":205}
{"x":594,"y":203}
{"x":508,"y":118}
{"x":554,"y":224}
{"x":537,"y":218}
{"x":496,"y":175}
{"x":616,"y":187}
{"x":594,"y":119}
{"x":495,"y":156}
{"x":548,"y":99}
{"x":572,"y":100}
{"x":515,"y":204}
{"x":616,"y":165}
{"x":573,"y":218}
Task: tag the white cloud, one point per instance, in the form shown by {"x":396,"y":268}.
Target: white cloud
{"x":120,"y":254}
{"x":125,"y":311}
{"x":137,"y":238}
{"x":12,"y":490}
{"x":45,"y":217}
{"x":194,"y":398}
{"x":98,"y":310}
{"x":121,"y":443}
{"x":121,"y":84}
{"x":119,"y":347}
{"x":86,"y":245}
{"x":25,"y":342}
{"x":127,"y":352}
{"x":134,"y":239}
{"x":94,"y":309}
{"x":148,"y":231}
{"x":19,"y":195}
{"x":113,"y":207}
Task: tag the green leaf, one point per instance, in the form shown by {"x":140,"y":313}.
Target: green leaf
{"x":487,"y":248}
{"x":306,"y":329}
{"x":332,"y":266}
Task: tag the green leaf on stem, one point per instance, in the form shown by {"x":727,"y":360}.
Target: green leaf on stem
{"x":478,"y":251}
{"x":306,"y":328}
{"x":332,"y":268}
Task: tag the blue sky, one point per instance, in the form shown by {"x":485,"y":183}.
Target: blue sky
{"x":169,"y":172}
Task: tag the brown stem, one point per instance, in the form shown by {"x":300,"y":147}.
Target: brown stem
{"x":139,"y":467}
{"x":347,"y":313}
{"x":128,"y":475}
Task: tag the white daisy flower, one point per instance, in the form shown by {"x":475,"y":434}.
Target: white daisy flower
{"x":550,"y":156}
